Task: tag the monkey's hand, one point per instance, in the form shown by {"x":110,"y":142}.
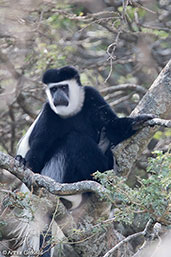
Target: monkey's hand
{"x":140,"y":121}
{"x":21,"y":160}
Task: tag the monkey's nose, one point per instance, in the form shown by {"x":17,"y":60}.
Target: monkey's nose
{"x":60,"y":99}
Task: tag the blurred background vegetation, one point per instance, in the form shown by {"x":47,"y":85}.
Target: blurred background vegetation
{"x":119,"y":47}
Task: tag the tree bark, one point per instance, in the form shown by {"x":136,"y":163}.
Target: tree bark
{"x":156,"y":101}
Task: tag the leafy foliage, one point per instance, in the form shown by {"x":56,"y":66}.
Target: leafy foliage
{"x":19,"y":202}
{"x":151,"y":198}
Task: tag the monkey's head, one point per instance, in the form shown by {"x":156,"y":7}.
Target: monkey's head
{"x":64,"y":90}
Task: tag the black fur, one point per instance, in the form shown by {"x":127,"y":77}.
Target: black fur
{"x":57,"y":75}
{"x":77,"y":138}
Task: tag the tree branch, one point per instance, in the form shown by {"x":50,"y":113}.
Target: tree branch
{"x":134,"y":87}
{"x":156,"y":101}
{"x":159,"y":122}
{"x":127,"y":239}
{"x":36,"y":181}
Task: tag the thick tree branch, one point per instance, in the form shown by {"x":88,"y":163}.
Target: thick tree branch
{"x":156,"y":101}
{"x":36,"y":180}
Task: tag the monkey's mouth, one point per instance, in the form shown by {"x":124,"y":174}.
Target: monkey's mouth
{"x":61,"y":103}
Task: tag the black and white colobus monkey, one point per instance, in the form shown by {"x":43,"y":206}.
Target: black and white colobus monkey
{"x":65,"y":141}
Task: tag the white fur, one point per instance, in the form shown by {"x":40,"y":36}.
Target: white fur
{"x":76,"y":98}
{"x":23,"y":145}
{"x":25,"y":230}
{"x":59,"y":162}
{"x":74,"y":199}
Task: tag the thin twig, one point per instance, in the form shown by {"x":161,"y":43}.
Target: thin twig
{"x":44,"y":243}
{"x":127,"y":239}
{"x":120,"y":100}
{"x":134,"y":87}
{"x":159,"y":122}
{"x":140,"y":249}
{"x":141,"y":6}
{"x":111,"y":55}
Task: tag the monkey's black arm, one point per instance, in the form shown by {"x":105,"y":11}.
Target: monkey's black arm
{"x":120,"y":129}
{"x":39,"y":141}
{"x":35,"y":157}
{"x":117,"y":129}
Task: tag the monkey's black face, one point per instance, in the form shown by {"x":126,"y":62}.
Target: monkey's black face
{"x":65,"y":97}
{"x":60,"y":95}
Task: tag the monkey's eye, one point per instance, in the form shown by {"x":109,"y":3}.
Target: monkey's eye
{"x":64,"y":88}
{"x":53,"y":89}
